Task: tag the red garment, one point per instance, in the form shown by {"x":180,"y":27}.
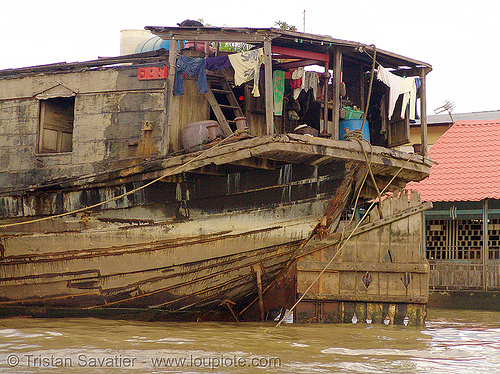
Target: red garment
{"x":296,"y":83}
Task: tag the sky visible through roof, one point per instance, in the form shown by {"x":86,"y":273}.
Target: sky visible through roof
{"x":459,"y":39}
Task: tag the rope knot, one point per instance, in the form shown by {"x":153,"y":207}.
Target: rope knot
{"x":353,"y":135}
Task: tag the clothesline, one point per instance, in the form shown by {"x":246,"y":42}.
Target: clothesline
{"x":400,"y":86}
{"x":246,"y":67}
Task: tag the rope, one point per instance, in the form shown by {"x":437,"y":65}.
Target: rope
{"x":357,"y":135}
{"x":341,"y":246}
{"x":172,"y":172}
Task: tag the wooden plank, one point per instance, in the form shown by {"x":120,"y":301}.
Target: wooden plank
{"x":337,"y":79}
{"x":355,"y":147}
{"x":325,"y":103}
{"x":214,"y":36}
{"x":169,"y":97}
{"x":394,"y":217}
{"x":485,"y":249}
{"x":298,"y":152}
{"x":423,"y":112}
{"x":399,"y":228}
{"x":144,"y":57}
{"x":295,"y":64}
{"x":221,"y":118}
{"x":296,"y":53}
{"x":365,"y":298}
{"x":355,"y":266}
{"x":268,"y":68}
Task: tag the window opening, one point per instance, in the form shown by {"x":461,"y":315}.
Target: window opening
{"x":56,"y":125}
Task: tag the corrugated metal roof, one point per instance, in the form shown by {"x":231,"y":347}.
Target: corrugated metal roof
{"x":468,"y":164}
{"x":443,"y":119}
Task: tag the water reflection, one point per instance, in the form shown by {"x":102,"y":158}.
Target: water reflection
{"x":451,"y":342}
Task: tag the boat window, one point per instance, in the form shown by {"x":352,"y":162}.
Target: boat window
{"x":56,"y":125}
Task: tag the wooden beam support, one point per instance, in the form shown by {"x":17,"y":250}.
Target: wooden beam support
{"x":423,"y":112}
{"x":169,"y":96}
{"x":363,"y":267}
{"x":363,"y":297}
{"x":295,"y":64}
{"x":229,"y":304}
{"x":268,"y":69}
{"x":257,"y":270}
{"x":337,"y":78}
{"x":297,"y":53}
{"x":325,"y":103}
{"x":215,"y":37}
{"x":486,"y":249}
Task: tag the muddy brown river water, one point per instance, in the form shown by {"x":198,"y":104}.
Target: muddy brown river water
{"x":452,"y":341}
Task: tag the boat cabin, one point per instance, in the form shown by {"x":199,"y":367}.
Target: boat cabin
{"x":60,"y":122}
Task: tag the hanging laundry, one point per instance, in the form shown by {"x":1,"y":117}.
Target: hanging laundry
{"x":296,"y":82}
{"x":190,"y":66}
{"x":247,"y":67}
{"x":311,"y":81}
{"x":418,"y":84}
{"x":397,"y":86}
{"x":278,"y":91}
{"x":217,"y":63}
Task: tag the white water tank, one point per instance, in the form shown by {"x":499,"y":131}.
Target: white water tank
{"x":130,"y":39}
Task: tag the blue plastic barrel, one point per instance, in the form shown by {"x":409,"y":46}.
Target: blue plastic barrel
{"x":154,"y":44}
{"x":354,"y":124}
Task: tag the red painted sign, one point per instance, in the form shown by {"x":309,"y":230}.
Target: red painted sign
{"x":152,"y":72}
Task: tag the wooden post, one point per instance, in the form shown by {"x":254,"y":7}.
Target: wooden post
{"x":485,"y":248}
{"x":423,"y":236}
{"x":423,"y":112}
{"x":325,"y":112}
{"x":337,"y":78}
{"x":362,"y":86}
{"x":169,"y":92}
{"x":257,"y":269}
{"x":228,"y":304}
{"x":268,"y":69}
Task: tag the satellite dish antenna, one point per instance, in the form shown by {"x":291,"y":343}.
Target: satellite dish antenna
{"x":448,"y":106}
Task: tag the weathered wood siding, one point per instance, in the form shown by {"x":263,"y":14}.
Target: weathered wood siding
{"x":383,"y":266}
{"x":185,"y":109}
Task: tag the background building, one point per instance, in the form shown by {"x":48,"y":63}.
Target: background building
{"x":463,"y":228}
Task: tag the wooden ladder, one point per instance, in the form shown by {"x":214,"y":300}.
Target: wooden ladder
{"x":223,"y":102}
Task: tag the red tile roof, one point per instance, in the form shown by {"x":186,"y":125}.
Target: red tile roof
{"x":468,"y":169}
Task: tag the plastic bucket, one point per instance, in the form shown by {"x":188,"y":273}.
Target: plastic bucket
{"x":354,"y":124}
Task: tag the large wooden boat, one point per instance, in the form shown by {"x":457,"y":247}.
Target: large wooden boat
{"x":116,"y":192}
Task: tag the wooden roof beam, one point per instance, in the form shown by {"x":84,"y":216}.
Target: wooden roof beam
{"x":296,"y":64}
{"x":297,"y":53}
{"x":213,"y":35}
